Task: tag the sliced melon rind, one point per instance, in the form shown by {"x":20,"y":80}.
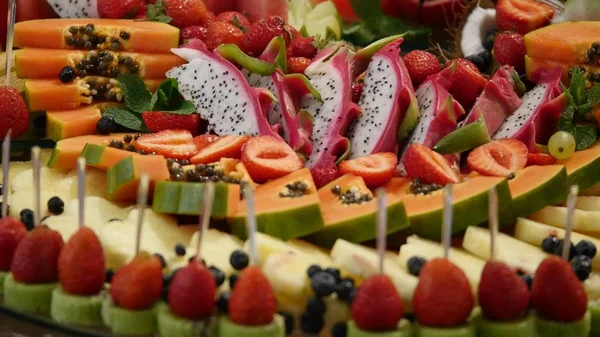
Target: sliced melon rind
{"x":185,"y":198}
{"x":583,"y":167}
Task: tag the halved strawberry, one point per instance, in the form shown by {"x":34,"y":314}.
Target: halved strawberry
{"x":224,"y":147}
{"x":540,"y":159}
{"x":467,"y":84}
{"x":523,"y":16}
{"x":420,"y":162}
{"x":203,"y":141}
{"x":267,"y":158}
{"x":376,"y":169}
{"x":157,"y":121}
{"x":499,"y":158}
{"x":176,"y":144}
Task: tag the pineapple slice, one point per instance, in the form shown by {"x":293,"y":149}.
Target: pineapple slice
{"x":588,"y":203}
{"x":583,"y":221}
{"x":52,"y":184}
{"x":592,"y":287}
{"x":509,"y":250}
{"x":17,"y":167}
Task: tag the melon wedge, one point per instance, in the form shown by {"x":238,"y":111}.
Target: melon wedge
{"x":185,"y":198}
{"x":565,"y":42}
{"x":354,"y":222}
{"x":44,"y":95}
{"x":104,"y":157}
{"x":123,"y":178}
{"x":470,"y":204}
{"x":72,"y":123}
{"x":583,"y":167}
{"x":283,"y":217}
{"x":66,"y":151}
{"x":31,"y":63}
{"x":144,"y":36}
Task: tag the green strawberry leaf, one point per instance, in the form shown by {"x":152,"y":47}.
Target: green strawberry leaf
{"x":127,"y":118}
{"x":136,"y":94}
{"x":157,"y":12}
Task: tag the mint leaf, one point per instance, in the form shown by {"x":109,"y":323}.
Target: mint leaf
{"x":186,"y":108}
{"x":157,"y":12}
{"x":577,"y":87}
{"x":126,"y":118}
{"x":137,"y":97}
{"x":566,"y":118}
{"x":585,"y":135}
{"x":593,"y":95}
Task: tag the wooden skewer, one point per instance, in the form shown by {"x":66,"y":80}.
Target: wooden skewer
{"x":207,"y":204}
{"x":142,"y":199}
{"x":381,"y":227}
{"x":571,"y":200}
{"x":5,"y":168}
{"x":447,"y":221}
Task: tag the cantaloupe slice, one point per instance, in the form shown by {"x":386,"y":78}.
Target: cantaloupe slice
{"x":583,"y":167}
{"x":565,"y":43}
{"x":66,"y":151}
{"x":142,"y":36}
{"x":104,"y":157}
{"x":29,"y":64}
{"x":123,"y":178}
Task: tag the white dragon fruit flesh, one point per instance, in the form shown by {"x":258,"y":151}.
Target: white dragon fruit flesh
{"x":537,"y":117}
{"x":497,"y":101}
{"x":330,"y":73}
{"x":390,"y":108}
{"x":67,"y":9}
{"x":220,"y":92}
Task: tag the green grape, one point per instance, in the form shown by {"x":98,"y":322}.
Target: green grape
{"x":561,"y":145}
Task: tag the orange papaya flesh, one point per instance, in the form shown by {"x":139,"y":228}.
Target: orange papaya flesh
{"x":566,"y":43}
{"x":102,"y":34}
{"x":103,"y":156}
{"x":72,"y":123}
{"x":67,"y":151}
{"x":31,"y":63}
{"x":123,"y":178}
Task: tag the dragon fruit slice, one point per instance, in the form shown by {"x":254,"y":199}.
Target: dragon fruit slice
{"x":220,"y":92}
{"x":330,"y":73}
{"x":390,"y":108}
{"x":75,"y":8}
{"x":537,"y":117}
{"x":289,"y":90}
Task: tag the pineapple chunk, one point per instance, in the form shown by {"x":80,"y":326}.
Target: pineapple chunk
{"x":583,"y":221}
{"x":215,"y":250}
{"x":509,"y":250}
{"x":588,"y":203}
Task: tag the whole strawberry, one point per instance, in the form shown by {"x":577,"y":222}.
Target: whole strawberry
{"x":119,"y":9}
{"x":252,"y":300}
{"x":81,"y":264}
{"x":192,"y":292}
{"x":13,"y":112}
{"x":194,"y":32}
{"x":503,"y":295}
{"x":463,"y":62}
{"x":467,"y":84}
{"x":138,"y":285}
{"x":157,"y":121}
{"x":302,"y":47}
{"x":420,"y":65}
{"x":235,"y":18}
{"x":377,"y":305}
{"x":262,"y":32}
{"x":220,"y":32}
{"x":186,"y":13}
{"x":297,"y":65}
{"x":36,"y":257}
{"x":509,"y":49}
{"x":12,"y":231}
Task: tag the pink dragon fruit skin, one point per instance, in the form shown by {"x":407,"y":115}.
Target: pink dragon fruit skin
{"x":537,"y":117}
{"x":497,"y":101}
{"x":330,"y":73}
{"x":388,"y":103}
{"x":220,"y":92}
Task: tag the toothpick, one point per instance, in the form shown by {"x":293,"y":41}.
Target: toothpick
{"x":493,"y":219}
{"x":10,"y":28}
{"x":81,"y":189}
{"x":142,"y":198}
{"x":447,"y":224}
{"x":381,"y":226}
{"x":207,"y":204}
{"x":571,"y":200}
{"x":5,"y":167}
{"x":37,"y":202}
{"x":251,"y":225}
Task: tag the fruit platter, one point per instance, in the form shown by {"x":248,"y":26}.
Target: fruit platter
{"x":342,"y":168}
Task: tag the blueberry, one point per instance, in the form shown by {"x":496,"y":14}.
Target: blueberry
{"x":488,"y":40}
{"x":587,"y":248}
{"x":27,"y":219}
{"x":108,"y":275}
{"x":106,"y":125}
{"x":56,"y":206}
{"x":340,"y":329}
{"x":549,"y":244}
{"x":223,"y":303}
{"x":313,"y":269}
{"x":180,"y":249}
{"x":218,"y":274}
{"x":67,"y":74}
{"x":582,"y":266}
{"x":310,"y":324}
{"x":344,"y":288}
{"x":315,"y":306}
{"x":239,"y":260}
{"x":528,"y":279}
{"x":323,"y":283}
{"x":160,"y":258}
{"x":289,"y":321}
{"x":477,"y":60}
{"x":415,"y":265}
{"x":559,"y":249}
{"x":335,"y":273}
{"x":486,"y":56}
{"x":232,"y":280}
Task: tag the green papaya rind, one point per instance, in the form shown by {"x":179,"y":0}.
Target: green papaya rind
{"x":184,"y":198}
{"x":460,"y":331}
{"x":404,"y":330}
{"x":522,"y":328}
{"x":76,"y":310}
{"x":229,"y":329}
{"x":579,"y":328}
{"x":128,"y":322}
{"x":3,"y":275}
{"x":30,"y":298}
{"x":171,"y":325}
{"x":583,"y":168}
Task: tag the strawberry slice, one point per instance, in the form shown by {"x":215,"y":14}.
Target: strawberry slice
{"x":376,"y":169}
{"x":157,"y":121}
{"x":499,"y":158}
{"x":203,"y":141}
{"x":267,"y":158}
{"x":176,"y":144}
{"x":224,"y":147}
{"x":523,"y":16}
{"x":540,"y":159}
{"x":420,"y":162}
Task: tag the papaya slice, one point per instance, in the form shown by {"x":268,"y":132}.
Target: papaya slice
{"x":123,"y":178}
{"x":44,"y":95}
{"x":72,"y":123}
{"x":350,"y":212}
{"x":92,"y":63}
{"x":583,"y":167}
{"x":67,"y":151}
{"x":566,"y":43}
{"x":102,"y":34}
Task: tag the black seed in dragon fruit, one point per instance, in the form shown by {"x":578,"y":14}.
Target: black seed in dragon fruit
{"x":75,"y":8}
{"x":221,"y":94}
{"x":537,"y":117}
{"x":390,"y":108}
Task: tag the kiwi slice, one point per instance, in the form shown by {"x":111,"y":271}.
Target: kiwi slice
{"x":521,"y":328}
{"x":3,"y":275}
{"x":128,"y":322}
{"x":594,"y":309}
{"x":170,"y":324}
{"x":31,"y":298}
{"x":76,"y":310}
{"x":579,"y":328}
{"x":229,"y":329}
{"x":467,"y":330}
{"x":403,"y":330}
